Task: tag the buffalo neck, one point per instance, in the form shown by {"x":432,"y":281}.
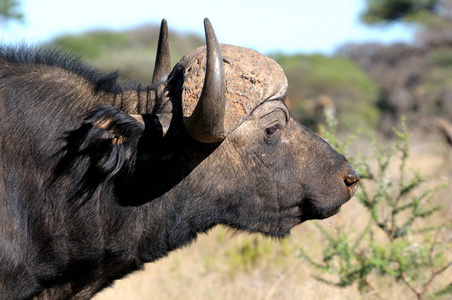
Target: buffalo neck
{"x":168,"y":187}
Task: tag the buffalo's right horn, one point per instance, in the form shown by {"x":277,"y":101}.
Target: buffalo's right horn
{"x":163,"y":59}
{"x":206,"y":124}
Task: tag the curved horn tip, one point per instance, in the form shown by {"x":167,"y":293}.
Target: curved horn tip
{"x":208,"y":28}
{"x":164,"y":25}
{"x":163,"y":59}
{"x":163,"y":33}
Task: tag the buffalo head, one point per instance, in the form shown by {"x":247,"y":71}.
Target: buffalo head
{"x":221,"y":138}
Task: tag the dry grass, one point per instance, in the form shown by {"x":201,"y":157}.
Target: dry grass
{"x":205,"y":271}
{"x":209,"y":269}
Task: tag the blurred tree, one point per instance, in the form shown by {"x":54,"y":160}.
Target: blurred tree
{"x":381,"y":11}
{"x":9,"y":11}
{"x":414,"y":80}
{"x":433,"y":17}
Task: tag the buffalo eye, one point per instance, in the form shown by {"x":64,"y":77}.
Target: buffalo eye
{"x":273,"y":133}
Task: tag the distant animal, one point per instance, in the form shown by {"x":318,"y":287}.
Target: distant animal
{"x":98,"y":178}
{"x":445,"y":128}
{"x":324,"y":109}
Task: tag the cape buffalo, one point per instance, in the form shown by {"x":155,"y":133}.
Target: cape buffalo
{"x":98,"y":178}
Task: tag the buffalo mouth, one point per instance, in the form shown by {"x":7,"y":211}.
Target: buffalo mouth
{"x":317,"y":214}
{"x":311,"y":210}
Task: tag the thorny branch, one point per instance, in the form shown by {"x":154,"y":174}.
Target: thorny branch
{"x":373,"y":289}
{"x":434,"y":273}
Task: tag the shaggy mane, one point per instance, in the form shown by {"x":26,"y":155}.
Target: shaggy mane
{"x":58,"y":58}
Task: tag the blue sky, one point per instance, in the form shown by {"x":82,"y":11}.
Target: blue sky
{"x":267,"y":26}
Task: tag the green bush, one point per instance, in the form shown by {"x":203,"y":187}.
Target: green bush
{"x":132,"y":51}
{"x":257,"y":253}
{"x":403,"y":238}
{"x":249,"y":253}
{"x":94,"y":44}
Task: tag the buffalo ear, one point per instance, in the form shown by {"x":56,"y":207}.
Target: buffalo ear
{"x":104,"y":146}
{"x":111,"y":139}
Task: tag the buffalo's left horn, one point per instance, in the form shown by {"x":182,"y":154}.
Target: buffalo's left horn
{"x":206,"y":124}
{"x":163,"y":59}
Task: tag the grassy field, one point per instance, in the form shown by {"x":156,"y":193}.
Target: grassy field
{"x":224,"y":265}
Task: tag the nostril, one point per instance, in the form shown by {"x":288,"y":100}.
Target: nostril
{"x":351,"y":180}
{"x":350,"y":177}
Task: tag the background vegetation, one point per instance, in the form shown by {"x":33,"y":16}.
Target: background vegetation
{"x":393,"y":239}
